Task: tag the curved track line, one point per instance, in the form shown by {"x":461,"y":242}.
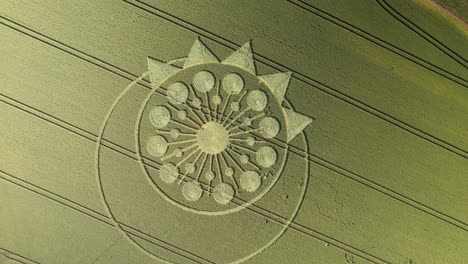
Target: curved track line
{"x":422,"y":33}
{"x":380,"y":42}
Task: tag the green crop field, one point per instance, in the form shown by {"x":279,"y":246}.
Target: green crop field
{"x":295,"y":131}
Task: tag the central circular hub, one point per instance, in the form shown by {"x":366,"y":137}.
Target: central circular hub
{"x":213,"y":138}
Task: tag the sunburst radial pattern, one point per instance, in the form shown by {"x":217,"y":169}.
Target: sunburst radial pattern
{"x":220,"y":132}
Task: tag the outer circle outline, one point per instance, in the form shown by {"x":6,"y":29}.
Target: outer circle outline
{"x":132,"y":241}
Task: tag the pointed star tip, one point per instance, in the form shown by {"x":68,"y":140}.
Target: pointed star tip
{"x":199,"y":54}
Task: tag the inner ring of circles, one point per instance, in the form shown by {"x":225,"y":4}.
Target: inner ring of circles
{"x":211,"y":135}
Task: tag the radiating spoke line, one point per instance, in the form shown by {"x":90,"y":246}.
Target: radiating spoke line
{"x":230,"y":112}
{"x":225,"y":106}
{"x":188,"y":118}
{"x":238,"y":116}
{"x":224,"y":159}
{"x":210,"y":169}
{"x":239,"y":139}
{"x":197,"y":115}
{"x":201,"y":167}
{"x":242,"y":147}
{"x":258,"y":116}
{"x":184,"y":125}
{"x":250,"y":161}
{"x":173,"y":153}
{"x":188,"y":148}
{"x":236,"y":127}
{"x":235,"y":162}
{"x":242,"y":96}
{"x":246,"y":140}
{"x":232,"y":176}
{"x":198,"y":157}
{"x":217,"y":105}
{"x":242,"y":124}
{"x":227,"y":117}
{"x":194,"y":122}
{"x":245,"y":131}
{"x":211,"y":162}
{"x":195,"y":162}
{"x":196,"y":95}
{"x":187,"y":157}
{"x":195,"y":110}
{"x":182,"y":178}
{"x":210,"y":115}
{"x":206,"y":114}
{"x":181,"y":142}
{"x":180,"y":133}
{"x":219,"y":168}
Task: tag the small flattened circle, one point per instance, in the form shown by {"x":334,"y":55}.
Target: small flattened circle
{"x":217,"y":99}
{"x":247,"y":121}
{"x":175,"y":133}
{"x":269,"y":127}
{"x":157,"y":146}
{"x":192,"y":191}
{"x":168,"y":173}
{"x":229,"y":171}
{"x":178,"y":93}
{"x":223,"y":193}
{"x":266,"y":156}
{"x":182,"y":114}
{"x":160,"y":116}
{"x":233,"y":83}
{"x":250,"y":141}
{"x":204,"y":81}
{"x":190,"y":167}
{"x":250,"y":181}
{"x":178,"y":152}
{"x":244,"y":159}
{"x":235,"y":106}
{"x":196,"y":102}
{"x":257,"y":100}
{"x":210,"y":175}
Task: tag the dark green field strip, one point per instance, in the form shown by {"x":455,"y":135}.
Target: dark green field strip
{"x":389,"y":192}
{"x":425,"y":35}
{"x":312,"y":82}
{"x":376,"y":29}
